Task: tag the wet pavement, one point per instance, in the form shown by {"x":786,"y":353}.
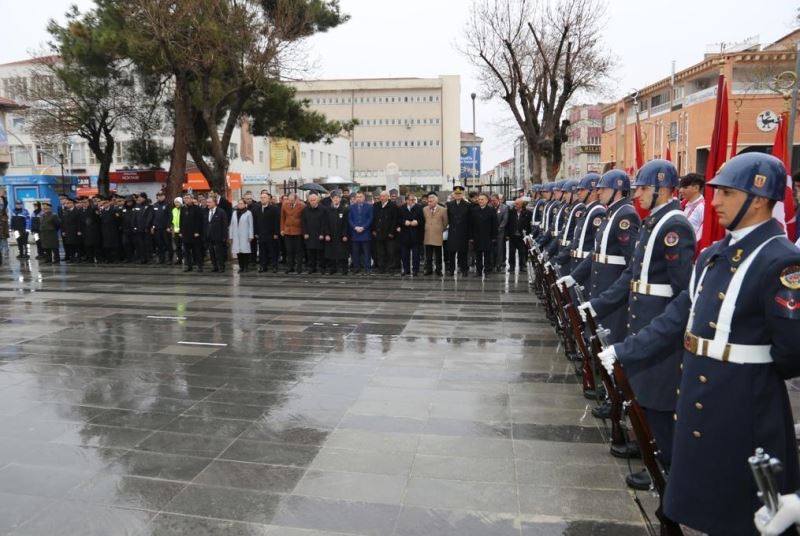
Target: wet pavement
{"x":314,"y":406}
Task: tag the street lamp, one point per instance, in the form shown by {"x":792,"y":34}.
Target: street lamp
{"x":63,"y":179}
{"x":474,"y":137}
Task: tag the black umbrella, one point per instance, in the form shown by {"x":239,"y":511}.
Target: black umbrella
{"x":314,"y":187}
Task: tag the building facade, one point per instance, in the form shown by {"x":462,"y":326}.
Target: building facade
{"x":251,"y":157}
{"x":581,"y":151}
{"x":408,"y":128}
{"x":677,"y":112}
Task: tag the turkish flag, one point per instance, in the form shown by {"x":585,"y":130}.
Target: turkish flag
{"x":717,"y":154}
{"x":784,"y":210}
{"x":669,"y":154}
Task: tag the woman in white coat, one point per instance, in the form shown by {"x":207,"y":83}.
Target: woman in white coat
{"x":240,"y":234}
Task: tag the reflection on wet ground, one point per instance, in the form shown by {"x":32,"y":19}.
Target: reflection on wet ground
{"x":371,"y":406}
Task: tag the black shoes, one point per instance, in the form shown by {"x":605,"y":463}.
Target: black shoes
{"x":640,"y":480}
{"x":603,"y":411}
{"x":628,"y":450}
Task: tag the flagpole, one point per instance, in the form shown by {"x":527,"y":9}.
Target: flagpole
{"x":793,"y":111}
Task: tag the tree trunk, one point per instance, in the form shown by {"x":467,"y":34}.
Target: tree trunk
{"x":219,"y":182}
{"x":180,"y":141}
{"x":534,"y":163}
{"x":103,"y":186}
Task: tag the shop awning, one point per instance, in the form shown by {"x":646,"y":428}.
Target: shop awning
{"x":196,"y":181}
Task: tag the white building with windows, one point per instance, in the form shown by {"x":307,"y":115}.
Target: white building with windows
{"x":249,"y":155}
{"x":408,"y":131}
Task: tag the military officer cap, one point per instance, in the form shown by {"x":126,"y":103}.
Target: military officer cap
{"x":758,"y":174}
{"x":589,"y":181}
{"x":658,"y":173}
{"x":458,"y":188}
{"x":616,"y":179}
{"x":46,"y":204}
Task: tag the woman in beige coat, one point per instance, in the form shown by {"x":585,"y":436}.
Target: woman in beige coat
{"x":435,"y":224}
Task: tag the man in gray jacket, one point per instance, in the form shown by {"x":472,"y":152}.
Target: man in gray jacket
{"x":499,"y":253}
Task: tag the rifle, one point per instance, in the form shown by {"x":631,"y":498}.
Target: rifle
{"x":575,"y":323}
{"x":564,"y":322}
{"x":598,"y":335}
{"x":647,"y":443}
{"x":765,"y":471}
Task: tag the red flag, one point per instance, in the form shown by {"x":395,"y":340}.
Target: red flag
{"x":784,"y":213}
{"x":712,"y":230}
{"x":735,"y":137}
{"x":669,"y":154}
{"x":637,"y":139}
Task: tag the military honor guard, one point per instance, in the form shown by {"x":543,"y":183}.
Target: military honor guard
{"x":458,"y":233}
{"x":738,"y":322}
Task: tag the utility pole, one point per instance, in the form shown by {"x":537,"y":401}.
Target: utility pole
{"x":474,"y":139}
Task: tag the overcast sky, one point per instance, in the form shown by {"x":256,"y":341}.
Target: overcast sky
{"x":394,"y":38}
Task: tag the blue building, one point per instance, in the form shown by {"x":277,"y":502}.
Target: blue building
{"x":30,"y":188}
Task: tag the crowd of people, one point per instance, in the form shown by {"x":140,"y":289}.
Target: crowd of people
{"x":331,"y":233}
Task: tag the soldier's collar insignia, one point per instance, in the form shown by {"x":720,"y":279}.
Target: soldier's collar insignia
{"x":738,"y":256}
{"x":759,"y":181}
{"x":790,"y":277}
{"x":625,"y":225}
{"x":597,"y":221}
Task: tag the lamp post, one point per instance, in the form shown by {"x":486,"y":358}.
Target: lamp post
{"x":474,"y":154}
{"x":63,"y":179}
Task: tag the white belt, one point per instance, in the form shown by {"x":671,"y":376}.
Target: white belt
{"x":537,"y":224}
{"x":610,"y":259}
{"x":563,"y":243}
{"x":751,"y":354}
{"x":650,"y":289}
{"x":554,"y":233}
{"x":580,"y":254}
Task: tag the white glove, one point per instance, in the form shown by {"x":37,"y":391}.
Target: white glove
{"x":607,"y":359}
{"x":787,"y":515}
{"x":586,"y":306}
{"x":567,"y":280}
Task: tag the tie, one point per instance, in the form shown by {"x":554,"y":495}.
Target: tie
{"x":211,"y":214}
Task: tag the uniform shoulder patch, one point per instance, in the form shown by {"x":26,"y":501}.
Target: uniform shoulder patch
{"x":578,"y":214}
{"x":671,"y":239}
{"x":790,"y":277}
{"x":625,"y":225}
{"x":597,"y":221}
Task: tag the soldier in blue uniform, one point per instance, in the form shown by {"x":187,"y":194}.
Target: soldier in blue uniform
{"x":577,"y":208}
{"x":565,"y":221}
{"x":739,"y":323}
{"x":614,"y":244}
{"x":587,"y":222}
{"x":542,"y":196}
{"x":550,"y":213}
{"x":658,"y":272}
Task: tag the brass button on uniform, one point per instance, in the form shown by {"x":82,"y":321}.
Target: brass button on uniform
{"x":681,"y":366}
{"x":633,"y":316}
{"x":712,"y":325}
{"x":697,"y":434}
{"x":721,"y":295}
{"x":674,"y":416}
{"x":635,"y":298}
{"x":700,"y":288}
{"x":702,"y":379}
{"x":698,"y":405}
{"x":678,"y":391}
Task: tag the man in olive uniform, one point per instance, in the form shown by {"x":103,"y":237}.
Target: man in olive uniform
{"x":458,"y":232}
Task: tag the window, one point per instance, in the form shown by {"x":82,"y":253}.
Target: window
{"x":261,"y":156}
{"x":320,"y":159}
{"x":118,"y":154}
{"x":329,"y":160}
{"x":20,"y":155}
{"x":78,"y":154}
{"x":18,"y":123}
{"x":312,"y":157}
{"x":233,"y":151}
{"x":46,"y":156}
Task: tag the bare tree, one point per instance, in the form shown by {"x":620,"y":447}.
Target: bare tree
{"x":535,"y":57}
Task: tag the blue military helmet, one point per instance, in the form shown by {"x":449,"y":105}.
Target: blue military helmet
{"x":616,"y":179}
{"x":658,"y":173}
{"x":570,"y":185}
{"x":589,"y":181}
{"x":758,"y":174}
